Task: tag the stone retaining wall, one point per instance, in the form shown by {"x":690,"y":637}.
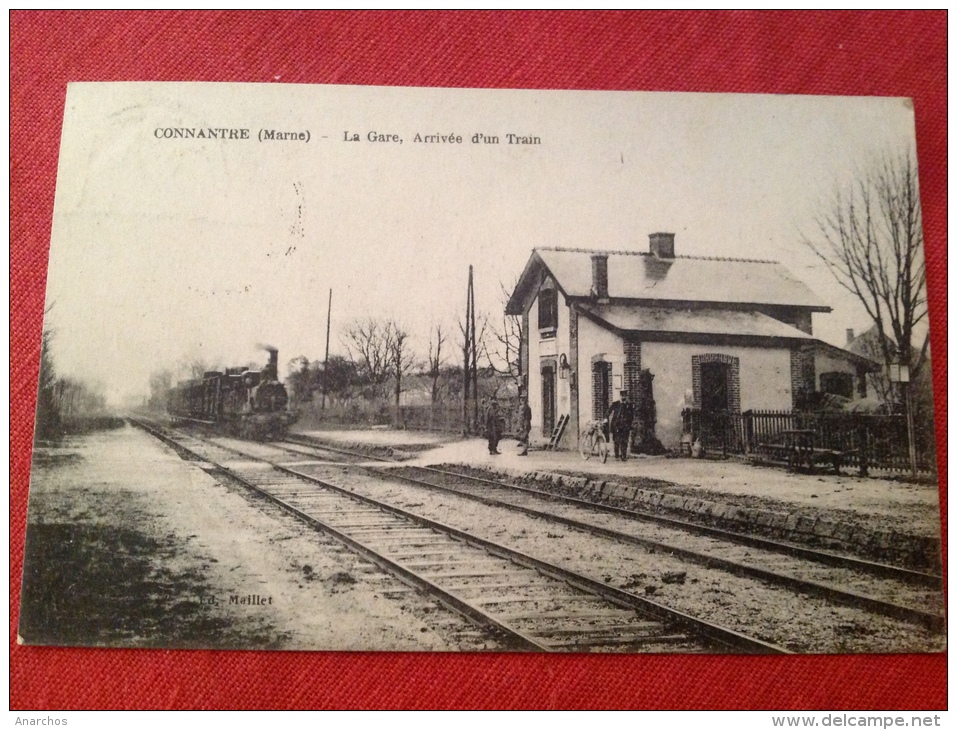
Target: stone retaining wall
{"x":916,"y":551}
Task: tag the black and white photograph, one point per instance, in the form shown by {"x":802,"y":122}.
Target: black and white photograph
{"x":469,"y":370}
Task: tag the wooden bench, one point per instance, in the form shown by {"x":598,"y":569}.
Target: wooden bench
{"x":797,"y":450}
{"x":774,"y":453}
{"x":816,"y":456}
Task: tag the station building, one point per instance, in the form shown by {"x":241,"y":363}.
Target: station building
{"x":679,"y":333}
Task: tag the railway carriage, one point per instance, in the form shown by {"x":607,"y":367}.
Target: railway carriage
{"x":247,"y":403}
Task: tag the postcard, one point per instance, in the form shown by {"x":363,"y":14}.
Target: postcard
{"x":409,"y":369}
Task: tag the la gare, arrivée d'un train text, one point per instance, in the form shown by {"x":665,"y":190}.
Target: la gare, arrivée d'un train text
{"x":438,"y":138}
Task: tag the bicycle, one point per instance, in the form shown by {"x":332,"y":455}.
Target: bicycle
{"x":592,"y":441}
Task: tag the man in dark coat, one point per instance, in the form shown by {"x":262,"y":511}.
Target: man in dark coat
{"x":620,"y":418}
{"x":493,"y":426}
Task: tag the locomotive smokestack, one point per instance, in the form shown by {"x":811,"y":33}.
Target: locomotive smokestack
{"x":271,"y":371}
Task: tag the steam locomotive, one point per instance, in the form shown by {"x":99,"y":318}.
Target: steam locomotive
{"x":251,"y":404}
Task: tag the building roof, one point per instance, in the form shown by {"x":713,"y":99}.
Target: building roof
{"x":706,"y":325}
{"x":639,"y":276}
{"x":698,"y":321}
{"x":839,"y":352}
{"x":869,"y":343}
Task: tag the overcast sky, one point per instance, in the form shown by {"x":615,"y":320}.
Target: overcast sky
{"x":170,"y":250}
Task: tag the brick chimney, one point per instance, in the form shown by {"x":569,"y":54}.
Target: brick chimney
{"x":850,"y":335}
{"x":662,"y":245}
{"x":599,"y":275}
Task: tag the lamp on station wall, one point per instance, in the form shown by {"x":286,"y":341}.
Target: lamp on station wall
{"x":565,"y":371}
{"x":563,"y":367}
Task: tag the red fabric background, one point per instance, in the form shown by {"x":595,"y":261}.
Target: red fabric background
{"x":896,"y":54}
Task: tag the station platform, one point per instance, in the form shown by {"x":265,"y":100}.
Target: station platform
{"x":870,"y":495}
{"x":876,"y":515}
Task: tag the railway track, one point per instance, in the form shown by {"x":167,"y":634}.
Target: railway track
{"x":888,"y":590}
{"x":533,"y":604}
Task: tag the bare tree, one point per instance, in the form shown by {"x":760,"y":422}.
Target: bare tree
{"x":436,"y":339}
{"x":368,"y":343}
{"x":399,"y":356}
{"x":472,"y":345}
{"x":380,"y":350}
{"x":77,"y":400}
{"x":481,"y":336}
{"x":48,"y":414}
{"x":505,"y":343}
{"x":869,"y":345}
{"x":871,"y":239}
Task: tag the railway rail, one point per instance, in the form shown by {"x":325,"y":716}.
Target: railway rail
{"x":888,"y":590}
{"x":536,"y":605}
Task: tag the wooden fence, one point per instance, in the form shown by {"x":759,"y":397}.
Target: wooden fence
{"x":440,"y":417}
{"x":879,"y":440}
{"x":449,"y":417}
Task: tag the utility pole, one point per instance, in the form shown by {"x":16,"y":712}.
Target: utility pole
{"x":325,"y":367}
{"x":475,"y":391}
{"x":467,"y":356}
{"x":900,"y":374}
{"x":911,"y":440}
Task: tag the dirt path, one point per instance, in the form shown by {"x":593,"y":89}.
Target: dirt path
{"x":130,"y":546}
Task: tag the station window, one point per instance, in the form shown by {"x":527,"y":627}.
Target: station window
{"x":837,"y":383}
{"x":548,"y":309}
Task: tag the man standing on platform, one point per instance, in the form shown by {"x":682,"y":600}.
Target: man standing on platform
{"x":525,"y":425}
{"x":493,"y":426}
{"x":620,"y":418}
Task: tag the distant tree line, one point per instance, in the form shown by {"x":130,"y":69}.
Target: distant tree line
{"x":385,"y":368}
{"x":383,"y":377}
{"x":67,"y":405}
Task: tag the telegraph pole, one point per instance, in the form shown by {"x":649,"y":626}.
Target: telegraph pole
{"x":900,"y":374}
{"x":325,"y":367}
{"x":911,"y":440}
{"x":466,"y":358}
{"x":475,"y":391}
